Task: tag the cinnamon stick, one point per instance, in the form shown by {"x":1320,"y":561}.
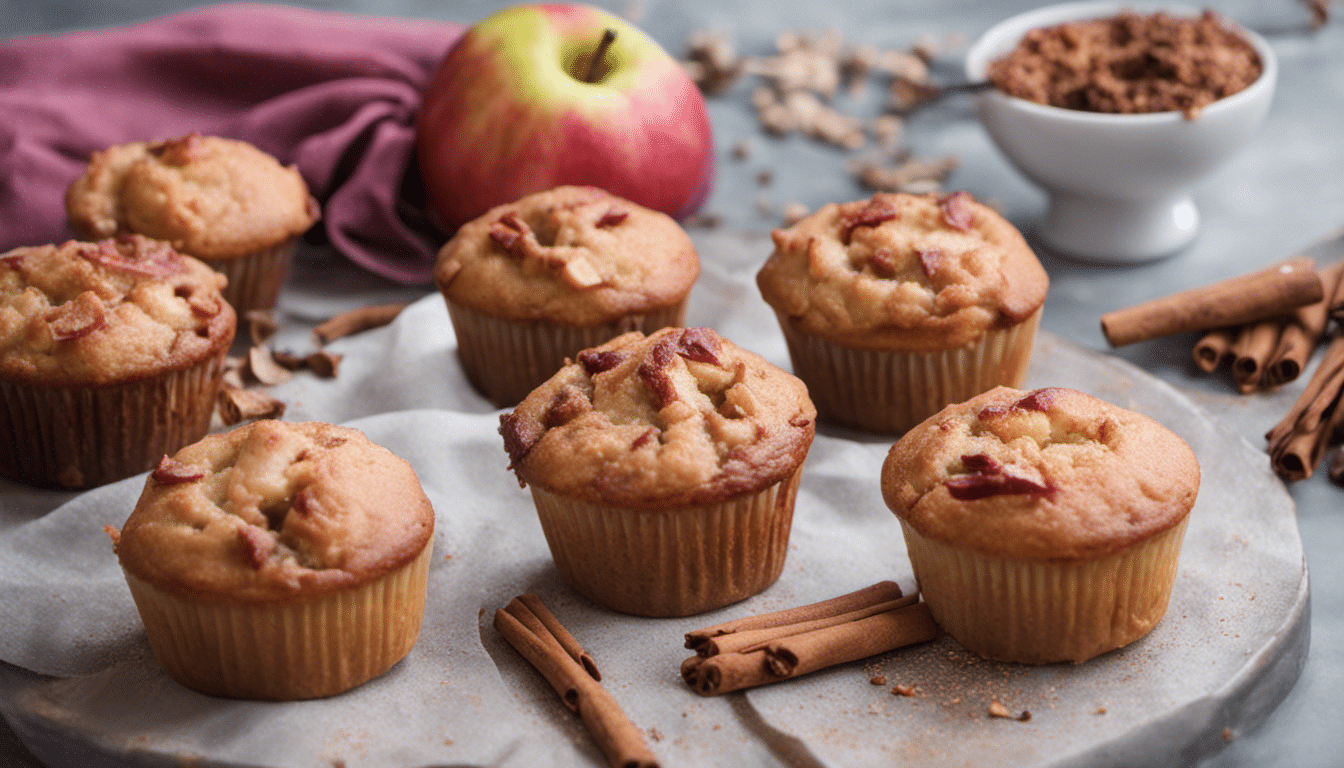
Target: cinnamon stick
{"x":356,"y":320}
{"x":538,"y":638}
{"x":1297,"y":442}
{"x":1275,"y":290}
{"x":752,"y":639}
{"x":1214,"y":349}
{"x":1252,"y":349}
{"x":786,"y":644}
{"x":881,"y":592}
{"x":1304,"y":331}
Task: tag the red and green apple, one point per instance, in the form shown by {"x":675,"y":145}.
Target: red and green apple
{"x":530,"y":98}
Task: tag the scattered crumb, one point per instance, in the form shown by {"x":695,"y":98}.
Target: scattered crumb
{"x":878,"y":680}
{"x":655,"y":734}
{"x":742,"y":150}
{"x":998,"y":710}
{"x":1228,"y":735}
{"x":903,"y":690}
{"x":765,"y":178}
{"x":1100,"y":711}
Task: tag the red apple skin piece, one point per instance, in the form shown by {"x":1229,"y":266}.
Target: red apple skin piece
{"x":506,"y":115}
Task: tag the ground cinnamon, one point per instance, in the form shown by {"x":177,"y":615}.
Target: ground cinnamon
{"x":540,"y":638}
{"x":785,"y":644}
{"x":1275,"y":290}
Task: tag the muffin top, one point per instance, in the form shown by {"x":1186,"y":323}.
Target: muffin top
{"x":569,"y":255}
{"x":679,"y":418}
{"x":275,"y":511}
{"x":211,"y":197}
{"x":110,"y":312}
{"x":903,"y":272}
{"x":1051,"y":474}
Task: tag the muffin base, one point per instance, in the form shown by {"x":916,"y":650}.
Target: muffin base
{"x":255,"y":279}
{"x":1039,"y":612}
{"x":892,"y":391}
{"x":279,"y":651}
{"x":670,"y":562}
{"x":506,"y":359}
{"x":80,"y":437}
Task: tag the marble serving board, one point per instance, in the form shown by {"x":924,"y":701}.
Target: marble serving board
{"x":81,"y":688}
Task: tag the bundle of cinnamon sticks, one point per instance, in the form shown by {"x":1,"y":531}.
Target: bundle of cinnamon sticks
{"x":756,"y":650}
{"x":1264,"y":326}
{"x":541,"y":639}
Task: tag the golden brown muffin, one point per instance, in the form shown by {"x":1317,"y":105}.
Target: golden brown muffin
{"x":221,"y":200}
{"x":664,"y":469}
{"x":279,"y":561}
{"x":895,"y":306}
{"x":1042,"y":526}
{"x":110,"y":356}
{"x":531,"y":283}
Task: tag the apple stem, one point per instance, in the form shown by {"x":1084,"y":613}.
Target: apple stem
{"x":608,"y":36}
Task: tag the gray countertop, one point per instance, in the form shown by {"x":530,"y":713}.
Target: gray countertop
{"x":1285,"y":191}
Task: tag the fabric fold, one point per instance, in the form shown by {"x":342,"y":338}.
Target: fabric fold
{"x":333,"y":93}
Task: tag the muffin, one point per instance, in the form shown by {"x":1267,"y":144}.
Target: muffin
{"x":531,"y":283}
{"x":111,"y":354}
{"x":895,"y":306}
{"x":1042,"y":526}
{"x":221,"y":200}
{"x":279,"y":561}
{"x":664,"y":469}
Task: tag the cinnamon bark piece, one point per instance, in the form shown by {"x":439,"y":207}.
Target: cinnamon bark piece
{"x":1275,"y":290}
{"x":356,"y":320}
{"x":621,"y":741}
{"x":881,"y":592}
{"x":237,"y":405}
{"x":1252,"y":349}
{"x":1297,"y":442}
{"x":1304,"y":331}
{"x":1214,"y":349}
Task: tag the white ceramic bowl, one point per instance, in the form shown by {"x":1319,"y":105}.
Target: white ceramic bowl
{"x":1119,"y":185}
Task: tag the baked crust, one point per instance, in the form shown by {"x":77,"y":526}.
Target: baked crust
{"x":678,"y":418}
{"x":211,"y":197}
{"x":903,"y":272}
{"x":569,"y":256}
{"x":106,"y":313}
{"x":1051,"y":474}
{"x":275,"y":512}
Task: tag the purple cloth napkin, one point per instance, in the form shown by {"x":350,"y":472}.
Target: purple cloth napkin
{"x":333,"y":93}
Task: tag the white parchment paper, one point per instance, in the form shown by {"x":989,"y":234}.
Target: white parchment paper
{"x":79,"y":671}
